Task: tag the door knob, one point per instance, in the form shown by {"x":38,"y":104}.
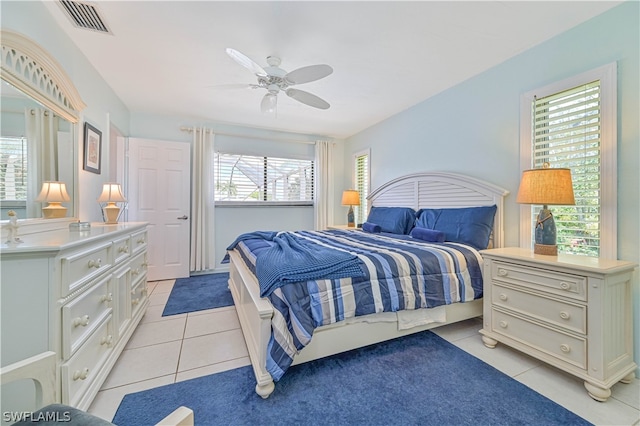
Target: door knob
{"x":183,"y":217}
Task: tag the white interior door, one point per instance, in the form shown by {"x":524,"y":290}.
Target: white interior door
{"x":159,"y":193}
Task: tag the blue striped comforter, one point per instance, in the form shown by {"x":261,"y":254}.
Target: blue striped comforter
{"x":400,"y":273}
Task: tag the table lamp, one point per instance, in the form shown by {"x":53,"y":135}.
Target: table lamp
{"x":350,"y":197}
{"x":54,"y":193}
{"x":111,"y":194}
{"x":546,"y":186}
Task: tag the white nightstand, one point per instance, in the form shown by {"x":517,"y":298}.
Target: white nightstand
{"x":343,"y":227}
{"x":572,"y":312}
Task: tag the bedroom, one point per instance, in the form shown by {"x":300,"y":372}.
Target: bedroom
{"x":490,"y":143}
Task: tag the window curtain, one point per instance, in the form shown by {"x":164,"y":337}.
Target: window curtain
{"x":202,"y":201}
{"x":324,"y":185}
{"x":41,"y":129}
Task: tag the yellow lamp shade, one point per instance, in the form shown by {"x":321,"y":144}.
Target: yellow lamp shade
{"x":111,"y":194}
{"x":54,"y":193}
{"x":350,"y":197}
{"x":546,"y":186}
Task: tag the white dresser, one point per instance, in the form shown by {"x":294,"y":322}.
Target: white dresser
{"x":78,"y":293}
{"x":573,"y":312}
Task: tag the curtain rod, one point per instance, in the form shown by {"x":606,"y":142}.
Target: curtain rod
{"x":237,"y":135}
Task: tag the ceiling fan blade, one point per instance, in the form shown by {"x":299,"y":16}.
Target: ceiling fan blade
{"x":307,"y":98}
{"x":308,"y":74}
{"x":246,"y":62}
{"x":234,"y":86}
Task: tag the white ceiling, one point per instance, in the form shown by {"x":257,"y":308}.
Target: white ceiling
{"x":164,"y":56}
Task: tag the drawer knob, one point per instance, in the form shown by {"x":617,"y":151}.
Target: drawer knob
{"x":135,"y":301}
{"x":135,"y":271}
{"x":107,"y":340}
{"x":503,"y":297}
{"x":123,"y":249}
{"x":81,"y":321}
{"x":107,"y":298}
{"x":502,"y":272}
{"x":565,"y":315}
{"x":81,"y":374}
{"x":95,"y":263}
{"x":565,"y":348}
{"x":565,"y":285}
{"x":140,"y":241}
{"x":503,"y":324}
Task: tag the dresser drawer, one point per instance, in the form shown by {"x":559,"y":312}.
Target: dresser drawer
{"x":568,"y":348}
{"x":82,"y":369}
{"x":139,"y":242}
{"x":567,"y":285}
{"x":571,"y":316}
{"x":81,"y":316}
{"x":138,"y":268}
{"x":122,"y":249}
{"x":138,"y":297}
{"x":82,"y":266}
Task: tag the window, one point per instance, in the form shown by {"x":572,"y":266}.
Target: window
{"x":246,"y":178}
{"x":572,"y":127}
{"x":13,"y":168}
{"x":361,"y":168}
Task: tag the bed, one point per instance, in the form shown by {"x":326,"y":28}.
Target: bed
{"x":430,"y":190}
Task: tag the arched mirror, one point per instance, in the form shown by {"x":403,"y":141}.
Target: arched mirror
{"x":39,"y":109}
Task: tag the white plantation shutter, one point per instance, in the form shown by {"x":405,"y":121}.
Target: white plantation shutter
{"x":243,"y":178}
{"x":362,"y":185}
{"x":566,"y":133}
{"x":13,"y":169}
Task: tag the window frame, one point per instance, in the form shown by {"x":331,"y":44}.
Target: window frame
{"x":263,"y":203}
{"x":607,"y":75}
{"x":354,"y":177}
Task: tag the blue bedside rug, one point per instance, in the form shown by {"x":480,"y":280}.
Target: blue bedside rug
{"x":419,"y":379}
{"x":199,"y":293}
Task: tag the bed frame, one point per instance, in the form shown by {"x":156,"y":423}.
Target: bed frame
{"x":420,"y":190}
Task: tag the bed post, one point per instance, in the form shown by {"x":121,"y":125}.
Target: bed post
{"x":254,"y":314}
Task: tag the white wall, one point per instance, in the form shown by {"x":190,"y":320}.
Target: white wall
{"x":473,"y":128}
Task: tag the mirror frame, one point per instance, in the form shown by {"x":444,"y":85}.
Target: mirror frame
{"x":31,"y":69}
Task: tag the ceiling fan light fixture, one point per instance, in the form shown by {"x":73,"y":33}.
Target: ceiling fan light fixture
{"x":269,"y":103}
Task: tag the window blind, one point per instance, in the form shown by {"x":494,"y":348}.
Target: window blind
{"x":13,"y":168}
{"x":362,"y":186}
{"x":566,"y":133}
{"x":243,"y":178}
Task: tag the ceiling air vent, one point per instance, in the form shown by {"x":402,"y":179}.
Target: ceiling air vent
{"x":84,"y":15}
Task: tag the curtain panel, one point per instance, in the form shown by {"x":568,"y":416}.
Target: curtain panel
{"x":323,"y":205}
{"x":202,"y":257}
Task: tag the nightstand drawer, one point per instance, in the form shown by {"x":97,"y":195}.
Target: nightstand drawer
{"x":563,"y":346}
{"x":571,"y":286}
{"x":571,"y":316}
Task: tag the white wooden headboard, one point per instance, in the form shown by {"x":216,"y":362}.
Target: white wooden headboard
{"x":442,"y":190}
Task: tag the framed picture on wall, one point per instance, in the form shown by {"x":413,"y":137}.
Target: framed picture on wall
{"x":92,"y":148}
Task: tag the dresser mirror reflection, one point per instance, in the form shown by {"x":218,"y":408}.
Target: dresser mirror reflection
{"x":40,"y":109}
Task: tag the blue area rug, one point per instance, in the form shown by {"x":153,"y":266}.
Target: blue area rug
{"x":198,"y":293}
{"x":416,"y":380}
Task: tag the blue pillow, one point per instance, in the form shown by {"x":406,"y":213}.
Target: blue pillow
{"x":396,"y":220}
{"x":468,"y":225}
{"x":370,"y":227}
{"x":426,"y":234}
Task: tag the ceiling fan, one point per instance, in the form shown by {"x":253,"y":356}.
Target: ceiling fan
{"x":275,"y":80}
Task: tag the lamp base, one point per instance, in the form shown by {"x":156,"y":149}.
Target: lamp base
{"x":546,"y":249}
{"x":54,"y":210}
{"x":111,"y":212}
{"x":351,"y":222}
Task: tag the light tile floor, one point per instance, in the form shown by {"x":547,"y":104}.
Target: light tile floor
{"x":166,"y":350}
